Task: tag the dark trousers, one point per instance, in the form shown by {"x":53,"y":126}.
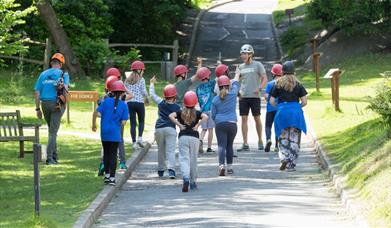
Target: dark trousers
{"x":139,"y":109}
{"x":268,"y":125}
{"x":110,"y":157}
{"x":225,"y":134}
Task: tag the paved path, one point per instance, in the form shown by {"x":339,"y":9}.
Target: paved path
{"x":258,"y":194}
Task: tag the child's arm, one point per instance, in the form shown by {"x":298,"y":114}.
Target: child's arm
{"x":95,"y":115}
{"x":199,"y":65}
{"x":173,"y":118}
{"x":204,"y":118}
{"x":155,"y":97}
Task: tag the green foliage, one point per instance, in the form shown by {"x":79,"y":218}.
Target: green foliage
{"x":293,"y":40}
{"x":92,"y":54}
{"x":122,"y":61}
{"x":365,"y":16}
{"x":381,"y":103}
{"x":11,"y":42}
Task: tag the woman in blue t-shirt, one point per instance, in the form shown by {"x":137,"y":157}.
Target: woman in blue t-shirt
{"x":224,"y":115}
{"x":114,"y":113}
{"x":165,"y":132}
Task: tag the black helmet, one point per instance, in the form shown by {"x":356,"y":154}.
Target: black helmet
{"x":288,"y":67}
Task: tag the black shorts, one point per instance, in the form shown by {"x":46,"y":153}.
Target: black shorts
{"x":253,"y":103}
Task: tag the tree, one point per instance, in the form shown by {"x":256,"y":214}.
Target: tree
{"x":10,"y":42}
{"x":59,"y":36}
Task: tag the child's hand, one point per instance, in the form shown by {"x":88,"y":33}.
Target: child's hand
{"x":153,"y":80}
{"x":94,"y":128}
{"x":182,"y":127}
{"x":195,"y":128}
{"x":199,"y":60}
{"x":237,"y":71}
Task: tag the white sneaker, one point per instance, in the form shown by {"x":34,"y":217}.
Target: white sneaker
{"x":140,"y":142}
{"x":135,"y":146}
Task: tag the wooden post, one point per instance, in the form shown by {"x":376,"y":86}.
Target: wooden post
{"x":332,"y":89}
{"x":336,"y":87}
{"x":313,"y":47}
{"x":68,"y":119}
{"x":316,"y":61}
{"x":37,"y":191}
{"x":48,"y":52}
{"x":175,"y":53}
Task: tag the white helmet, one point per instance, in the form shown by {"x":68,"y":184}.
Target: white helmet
{"x":247,"y":48}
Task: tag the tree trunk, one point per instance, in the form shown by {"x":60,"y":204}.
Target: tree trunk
{"x":59,"y":36}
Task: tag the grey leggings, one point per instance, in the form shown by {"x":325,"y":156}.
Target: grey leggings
{"x":225,"y":133}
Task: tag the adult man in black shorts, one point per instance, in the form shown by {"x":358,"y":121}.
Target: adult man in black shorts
{"x":252,"y":73}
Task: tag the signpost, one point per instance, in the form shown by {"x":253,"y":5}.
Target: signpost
{"x":82,"y":96}
{"x":289,"y":13}
{"x":334,"y":74}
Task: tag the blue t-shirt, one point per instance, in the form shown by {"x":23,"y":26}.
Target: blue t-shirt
{"x":205,"y":95}
{"x":47,"y":83}
{"x":165,"y":109}
{"x":110,"y":122}
{"x":225,"y":110}
{"x":270,"y":107}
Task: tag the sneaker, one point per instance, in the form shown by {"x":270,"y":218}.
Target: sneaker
{"x":140,"y":142}
{"x":171,"y":174}
{"x":193,"y":186}
{"x":230,"y":171}
{"x":106,"y":179}
{"x":209,"y":150}
{"x":185,"y":187}
{"x":201,"y":149}
{"x":50,"y":162}
{"x":276,"y":149}
{"x":112,"y":181}
{"x":260,"y":146}
{"x":290,"y":169}
{"x":244,"y":147}
{"x":122,"y":166}
{"x":135,"y":146}
{"x":101,"y":169}
{"x":268,"y":145}
{"x":283,"y":165}
{"x":160,"y":173}
{"x":221,"y":170}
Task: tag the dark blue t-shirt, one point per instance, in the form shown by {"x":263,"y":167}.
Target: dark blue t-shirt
{"x":165,"y":109}
{"x":110,"y":122}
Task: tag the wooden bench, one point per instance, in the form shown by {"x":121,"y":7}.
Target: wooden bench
{"x":11,"y":129}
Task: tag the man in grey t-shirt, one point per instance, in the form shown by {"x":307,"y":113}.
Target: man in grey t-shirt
{"x":253,"y":79}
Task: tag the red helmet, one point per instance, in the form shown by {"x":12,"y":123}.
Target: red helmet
{"x":203,"y":73}
{"x":169,"y":91}
{"x":113,"y":72}
{"x":180,"y":69}
{"x":223,"y":80}
{"x":277,"y":69}
{"x":110,"y":80}
{"x":137,"y":65}
{"x":117,"y":86}
{"x":221,"y":70}
{"x":190,"y":99}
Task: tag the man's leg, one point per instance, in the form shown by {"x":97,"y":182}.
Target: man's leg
{"x":244,"y":129}
{"x":258,"y":125}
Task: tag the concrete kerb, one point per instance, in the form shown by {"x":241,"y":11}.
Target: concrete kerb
{"x":196,"y":25}
{"x":337,"y":180}
{"x":91,"y":214}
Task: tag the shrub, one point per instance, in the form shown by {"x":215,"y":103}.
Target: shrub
{"x":293,"y":40}
{"x":381,"y":103}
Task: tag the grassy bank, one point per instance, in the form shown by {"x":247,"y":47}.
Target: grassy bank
{"x":354,"y":138}
{"x":66,"y":189}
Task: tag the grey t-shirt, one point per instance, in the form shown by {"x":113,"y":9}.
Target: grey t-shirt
{"x":181,"y":88}
{"x":250,"y":78}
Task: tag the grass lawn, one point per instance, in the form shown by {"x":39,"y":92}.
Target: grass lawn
{"x":354,"y":138}
{"x":66,"y":189}
{"x":297,"y":5}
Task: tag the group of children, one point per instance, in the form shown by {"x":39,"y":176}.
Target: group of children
{"x":217,"y":102}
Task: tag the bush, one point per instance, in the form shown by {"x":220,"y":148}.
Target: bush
{"x":381,"y":103}
{"x":293,"y":40}
{"x":123,"y":61}
{"x":92,"y":55}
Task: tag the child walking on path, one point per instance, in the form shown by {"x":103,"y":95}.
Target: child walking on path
{"x":270,"y":109}
{"x":165,"y":132}
{"x":188,"y":121}
{"x":289,"y":121}
{"x":224,"y":115}
{"x":114,"y":113}
{"x":205,"y":94}
{"x":135,"y":83}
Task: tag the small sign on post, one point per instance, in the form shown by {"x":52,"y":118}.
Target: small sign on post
{"x":289,"y":13}
{"x":82,"y":96}
{"x":334,"y":74}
